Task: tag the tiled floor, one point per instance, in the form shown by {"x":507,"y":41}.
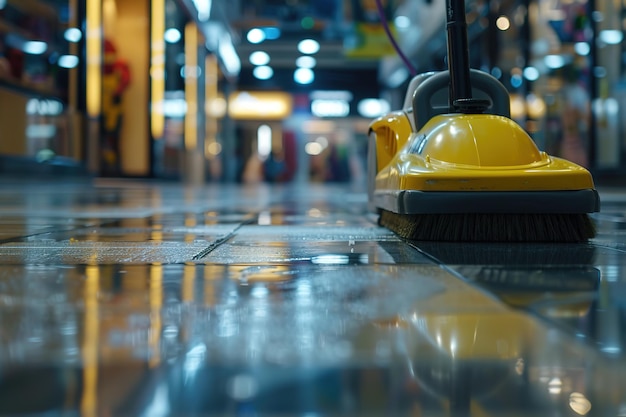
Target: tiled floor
{"x":140,"y":299}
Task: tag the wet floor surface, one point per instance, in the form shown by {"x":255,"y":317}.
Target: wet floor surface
{"x":141,"y":299}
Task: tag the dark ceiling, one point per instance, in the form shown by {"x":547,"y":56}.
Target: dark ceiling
{"x":327,"y":21}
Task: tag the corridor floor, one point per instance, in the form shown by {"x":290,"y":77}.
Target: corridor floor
{"x":133,"y":298}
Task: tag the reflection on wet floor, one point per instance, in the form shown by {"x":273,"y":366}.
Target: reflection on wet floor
{"x":129,"y":298}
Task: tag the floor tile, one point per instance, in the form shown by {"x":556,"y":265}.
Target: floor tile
{"x":132,"y":298}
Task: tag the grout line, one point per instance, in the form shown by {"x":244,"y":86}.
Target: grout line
{"x":220,"y":241}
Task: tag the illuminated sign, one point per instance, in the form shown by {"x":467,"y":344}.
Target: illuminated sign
{"x":260,"y":105}
{"x":330,"y":108}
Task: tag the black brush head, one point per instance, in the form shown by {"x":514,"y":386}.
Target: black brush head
{"x":490,"y":227}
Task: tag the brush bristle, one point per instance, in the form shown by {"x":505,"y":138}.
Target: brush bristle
{"x":490,"y":227}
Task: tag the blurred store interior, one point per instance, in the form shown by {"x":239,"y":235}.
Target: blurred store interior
{"x":142,"y":278}
{"x":281,"y":91}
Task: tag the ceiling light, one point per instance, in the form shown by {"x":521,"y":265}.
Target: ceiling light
{"x":402,"y":22}
{"x":303,"y":76}
{"x":503,"y":23}
{"x":330,"y":108}
{"x":255,"y":36}
{"x":172,"y":35}
{"x":531,"y":73}
{"x":263,"y":72}
{"x":582,"y":48}
{"x":313,"y":148}
{"x":72,"y":34}
{"x":554,"y":61}
{"x":68,"y":61}
{"x":175,"y":107}
{"x":306,"y":61}
{"x":35,"y":47}
{"x":308,"y":46}
{"x":331,"y":95}
{"x":259,"y":58}
{"x":611,"y":37}
{"x":373,"y":107}
{"x":44,"y":107}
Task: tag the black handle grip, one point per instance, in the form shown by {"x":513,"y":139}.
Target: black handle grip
{"x":458,"y":52}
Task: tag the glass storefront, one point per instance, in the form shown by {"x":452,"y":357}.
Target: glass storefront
{"x":189,"y":145}
{"x":163,"y":99}
{"x":38,"y":61}
{"x":576,"y":50}
{"x":563,"y":64}
{"x":608,"y":105}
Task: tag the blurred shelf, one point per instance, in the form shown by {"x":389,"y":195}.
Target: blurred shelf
{"x":26,"y":90}
{"x":13,"y":167}
{"x":8,"y":27}
{"x":35,"y":7}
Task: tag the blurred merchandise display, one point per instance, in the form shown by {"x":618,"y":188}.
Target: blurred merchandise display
{"x":38,"y":53}
{"x":32,"y":45}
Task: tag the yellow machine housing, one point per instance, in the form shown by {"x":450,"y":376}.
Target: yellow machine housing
{"x":456,"y":162}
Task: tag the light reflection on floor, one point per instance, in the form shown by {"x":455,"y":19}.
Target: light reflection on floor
{"x":137,"y":298}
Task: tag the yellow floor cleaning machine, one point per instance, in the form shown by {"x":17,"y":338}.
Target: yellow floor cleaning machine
{"x":453,"y":166}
